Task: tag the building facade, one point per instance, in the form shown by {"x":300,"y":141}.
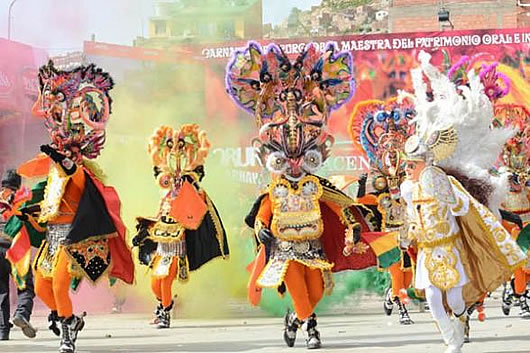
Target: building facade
{"x":422,"y":15}
{"x":199,"y":21}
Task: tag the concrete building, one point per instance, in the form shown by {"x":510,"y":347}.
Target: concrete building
{"x":199,"y":21}
{"x":422,"y":15}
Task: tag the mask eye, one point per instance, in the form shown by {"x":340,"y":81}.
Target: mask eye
{"x":380,"y":116}
{"x":276,"y":162}
{"x":164,"y":180}
{"x":312,"y":161}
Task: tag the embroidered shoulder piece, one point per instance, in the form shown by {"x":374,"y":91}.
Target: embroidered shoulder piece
{"x":436,"y":183}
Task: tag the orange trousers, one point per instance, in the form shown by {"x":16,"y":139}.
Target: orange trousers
{"x":55,"y":292}
{"x":306,"y":287}
{"x":400,"y":279}
{"x":162,"y":286}
{"x":521,"y":278}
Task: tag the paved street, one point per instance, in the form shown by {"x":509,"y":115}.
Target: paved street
{"x":366,"y":330}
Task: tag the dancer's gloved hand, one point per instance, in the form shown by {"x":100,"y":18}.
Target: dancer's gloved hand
{"x":265,"y":236}
{"x":25,"y":212}
{"x":22,"y":216}
{"x":138,"y":239}
{"x":361,"y":191}
{"x":141,"y":235}
{"x":52,"y":153}
{"x":66,"y":163}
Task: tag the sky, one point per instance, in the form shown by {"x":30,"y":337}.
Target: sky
{"x":275,"y":11}
{"x":61,"y":26}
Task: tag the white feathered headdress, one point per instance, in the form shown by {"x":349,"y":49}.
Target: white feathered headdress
{"x":464,"y":114}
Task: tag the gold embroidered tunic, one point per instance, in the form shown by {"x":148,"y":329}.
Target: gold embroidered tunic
{"x":447,"y":221}
{"x":432,"y":208}
{"x":297,"y":226}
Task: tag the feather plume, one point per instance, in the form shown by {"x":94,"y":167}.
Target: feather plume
{"x":468,"y":110}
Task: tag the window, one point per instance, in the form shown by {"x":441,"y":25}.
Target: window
{"x":160,"y":28}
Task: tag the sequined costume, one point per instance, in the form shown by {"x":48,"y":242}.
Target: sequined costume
{"x":380,"y":129}
{"x":464,"y":251}
{"x":306,"y":228}
{"x":72,"y":217}
{"x":514,"y":163}
{"x":187,"y":232}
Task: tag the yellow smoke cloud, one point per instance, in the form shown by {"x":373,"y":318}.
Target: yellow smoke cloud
{"x":169,"y":98}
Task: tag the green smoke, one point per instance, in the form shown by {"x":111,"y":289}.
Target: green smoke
{"x":174,"y":94}
{"x":347,"y":284}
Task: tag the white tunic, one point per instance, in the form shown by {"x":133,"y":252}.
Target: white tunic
{"x":432,"y":223}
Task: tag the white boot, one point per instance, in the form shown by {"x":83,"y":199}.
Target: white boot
{"x":459,"y":324}
{"x":450,"y":336}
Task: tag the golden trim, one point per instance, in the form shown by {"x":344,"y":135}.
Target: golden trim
{"x":174,"y":231}
{"x":186,"y":261}
{"x":486,"y":230}
{"x":39,"y":258}
{"x":330,"y":195}
{"x":158,"y":258}
{"x":258,"y":226}
{"x":313,"y":217}
{"x":325,"y":266}
{"x":442,"y":271}
{"x":459,"y":206}
{"x":79,"y":270}
{"x":50,"y":207}
{"x":385,"y":224}
{"x":438,"y":242}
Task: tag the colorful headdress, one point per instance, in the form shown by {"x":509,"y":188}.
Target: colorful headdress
{"x":76,"y":106}
{"x":174,"y":152}
{"x":515,"y":156}
{"x":291,"y":101}
{"x":381,"y":129}
{"x":453,"y":122}
{"x":496,"y":84}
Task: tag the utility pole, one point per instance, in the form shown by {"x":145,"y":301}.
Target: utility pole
{"x":9,"y":19}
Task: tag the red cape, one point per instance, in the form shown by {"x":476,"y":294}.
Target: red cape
{"x":333,"y":242}
{"x":121,"y":257}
